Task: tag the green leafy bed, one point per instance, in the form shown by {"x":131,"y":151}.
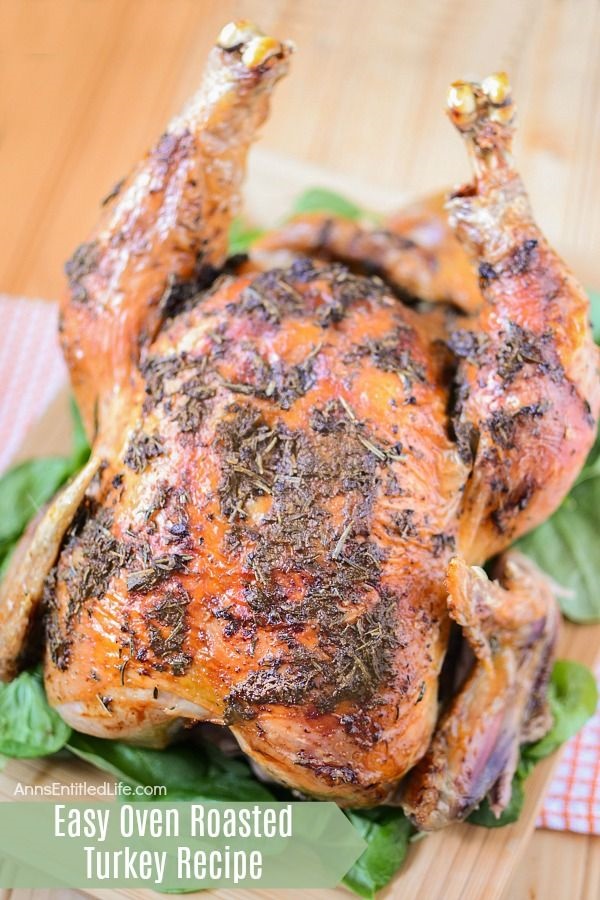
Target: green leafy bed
{"x":565,"y":546}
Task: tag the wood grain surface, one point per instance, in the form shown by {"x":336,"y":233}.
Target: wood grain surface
{"x":85,"y":85}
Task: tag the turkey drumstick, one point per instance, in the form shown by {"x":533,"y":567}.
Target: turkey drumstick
{"x":166,"y":223}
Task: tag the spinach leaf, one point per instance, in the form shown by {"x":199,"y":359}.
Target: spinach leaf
{"x":81,"y":449}
{"x":484,"y":816}
{"x":202,"y":771}
{"x":187,"y":771}
{"x":323,"y":200}
{"x":5,"y":556}
{"x":28,"y":725}
{"x":386,"y":831}
{"x":566,"y":546}
{"x":241,"y":236}
{"x":573,"y":696}
{"x":26,"y":487}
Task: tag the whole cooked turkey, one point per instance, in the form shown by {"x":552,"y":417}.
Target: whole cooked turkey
{"x":300,"y":460}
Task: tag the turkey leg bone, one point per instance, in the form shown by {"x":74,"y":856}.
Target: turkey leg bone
{"x":511,"y":626}
{"x":527,"y":391}
{"x":526,"y":397}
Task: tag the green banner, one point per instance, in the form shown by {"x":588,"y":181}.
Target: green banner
{"x":175,"y":846}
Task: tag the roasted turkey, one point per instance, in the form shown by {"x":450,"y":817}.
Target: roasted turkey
{"x":302,"y":458}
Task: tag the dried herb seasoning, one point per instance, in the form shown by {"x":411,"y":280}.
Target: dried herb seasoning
{"x":404,"y":523}
{"x":351,"y":661}
{"x":467,"y":344}
{"x":92,"y":556}
{"x":330,"y":774}
{"x":518,"y":346}
{"x":280,"y":383}
{"x":156,"y":569}
{"x":393,"y":353}
{"x":442,"y":543}
{"x":307,"y":569}
{"x":142,"y":448}
{"x":302,"y":471}
{"x":250,"y":449}
{"x":157,"y":371}
{"x":167,"y":628}
{"x":272,"y":296}
{"x":269,"y":296}
{"x":82,"y":263}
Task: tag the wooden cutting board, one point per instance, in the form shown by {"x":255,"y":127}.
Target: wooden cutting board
{"x":460,"y":863}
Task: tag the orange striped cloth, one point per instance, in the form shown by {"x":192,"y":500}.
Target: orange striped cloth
{"x":573,"y":799}
{"x":32,"y":372}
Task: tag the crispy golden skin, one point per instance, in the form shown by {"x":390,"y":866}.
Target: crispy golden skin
{"x":415,"y":250}
{"x":294,"y":470}
{"x":262,"y":517}
{"x":511,"y":625}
